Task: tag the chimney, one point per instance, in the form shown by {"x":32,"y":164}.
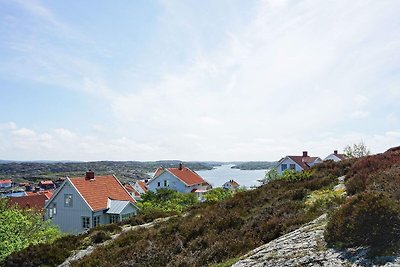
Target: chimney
{"x":180,"y":166}
{"x":89,"y":175}
{"x":335,"y":152}
{"x":305,"y":154}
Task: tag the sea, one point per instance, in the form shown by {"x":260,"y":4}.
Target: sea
{"x":221,"y":174}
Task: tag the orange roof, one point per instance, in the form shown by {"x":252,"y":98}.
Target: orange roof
{"x":5,"y":181}
{"x":233,"y":183}
{"x":187,"y":176}
{"x":97,"y":191}
{"x":158,"y":171}
{"x":130,"y":189}
{"x":142,"y":185}
{"x":36,"y":201}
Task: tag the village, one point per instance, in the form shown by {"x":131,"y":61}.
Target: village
{"x":76,"y":204}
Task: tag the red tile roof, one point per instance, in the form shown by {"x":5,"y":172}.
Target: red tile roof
{"x":233,"y":183}
{"x":341,"y":156}
{"x":97,"y":191}
{"x":5,"y":181}
{"x":303,"y":161}
{"x":142,"y":185}
{"x":36,"y":201}
{"x":187,"y":176}
{"x":130,"y":189}
{"x":158,"y":171}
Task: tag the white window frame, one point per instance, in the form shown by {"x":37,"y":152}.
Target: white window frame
{"x":68,"y":204}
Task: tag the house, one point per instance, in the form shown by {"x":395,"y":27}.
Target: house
{"x":31,"y":201}
{"x":84,"y":202}
{"x":297,"y":163}
{"x":181,"y":179}
{"x":231,"y":184}
{"x":140,"y":187}
{"x":5,"y":183}
{"x":46,"y":185}
{"x":336,"y":156}
{"x":132,"y":191}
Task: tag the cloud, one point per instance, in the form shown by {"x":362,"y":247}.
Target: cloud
{"x":291,"y":76}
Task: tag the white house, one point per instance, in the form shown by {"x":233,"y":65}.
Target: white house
{"x":336,"y":157}
{"x":297,"y":163}
{"x":181,"y":179}
{"x":5,"y":183}
{"x":231,"y":184}
{"x":140,"y":186}
{"x":85,"y":202}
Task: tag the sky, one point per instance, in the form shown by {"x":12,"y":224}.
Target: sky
{"x":197,"y":80}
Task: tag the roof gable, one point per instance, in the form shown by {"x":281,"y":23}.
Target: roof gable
{"x":36,"y":201}
{"x":187,"y":176}
{"x":96,"y":192}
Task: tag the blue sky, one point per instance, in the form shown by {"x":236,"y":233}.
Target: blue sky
{"x":197,"y":80}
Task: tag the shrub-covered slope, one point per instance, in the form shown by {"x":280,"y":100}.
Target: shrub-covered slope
{"x":371,"y":215}
{"x":213,"y":233}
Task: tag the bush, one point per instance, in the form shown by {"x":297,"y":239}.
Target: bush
{"x":323,"y":200}
{"x":368,"y":219}
{"x":100,"y":236}
{"x":295,"y":176}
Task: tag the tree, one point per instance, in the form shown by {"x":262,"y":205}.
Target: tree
{"x":21,"y":228}
{"x":217,"y":194}
{"x":270,"y":175}
{"x":356,"y":150}
{"x":167,"y":200}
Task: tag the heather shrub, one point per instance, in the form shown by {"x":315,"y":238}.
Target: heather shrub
{"x":100,"y":236}
{"x":368,"y":219}
{"x":109,"y":228}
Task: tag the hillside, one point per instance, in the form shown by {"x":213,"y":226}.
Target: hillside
{"x":124,"y":170}
{"x":254,"y":165}
{"x":220,"y":232}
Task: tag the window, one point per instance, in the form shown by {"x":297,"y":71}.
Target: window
{"x":96,"y":221}
{"x":284,"y":167}
{"x":50,"y":212}
{"x":166,"y":183}
{"x":158,"y":184}
{"x":67,"y":200}
{"x":292,"y":166}
{"x":85,"y":222}
{"x":114,"y":218}
{"x":53,"y":207}
{"x":126,"y":216}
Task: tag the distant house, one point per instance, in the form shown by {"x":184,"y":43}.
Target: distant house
{"x":336,"y":156}
{"x":297,"y":163}
{"x":231,"y":184}
{"x":5,"y":183}
{"x":132,"y":191}
{"x":31,"y":201}
{"x":46,"y":185}
{"x":181,"y":179}
{"x":85,"y":202}
{"x":140,"y":187}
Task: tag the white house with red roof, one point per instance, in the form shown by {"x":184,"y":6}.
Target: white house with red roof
{"x":5,"y":183}
{"x":231,"y":184}
{"x":297,"y":163}
{"x":181,"y":179}
{"x":335,"y":156}
{"x":84,"y":202}
{"x":140,"y":187}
